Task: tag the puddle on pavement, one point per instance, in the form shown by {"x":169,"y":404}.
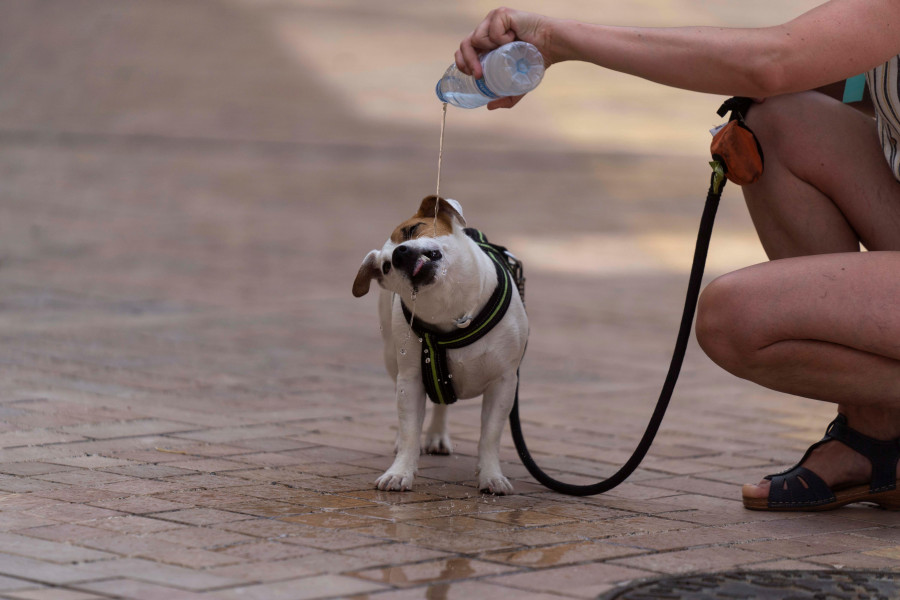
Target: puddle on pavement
{"x":452,"y":569}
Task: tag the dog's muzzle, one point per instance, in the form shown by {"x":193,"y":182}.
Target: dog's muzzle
{"x":419,"y":266}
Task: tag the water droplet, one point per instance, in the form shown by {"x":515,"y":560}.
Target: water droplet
{"x":450,"y":375}
{"x":427,"y":360}
{"x":402,"y":351}
{"x":426,"y":350}
{"x":420,"y":339}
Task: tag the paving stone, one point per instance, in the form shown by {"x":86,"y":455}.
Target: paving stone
{"x":694,"y":560}
{"x":12,"y":521}
{"x":32,"y":468}
{"x":74,"y":513}
{"x":53,"y":594}
{"x":148,"y":471}
{"x":300,"y":589}
{"x":140,"y":505}
{"x":23,"y":567}
{"x":328,"y":519}
{"x":564,"y":554}
{"x":77,"y":494}
{"x":200,"y":516}
{"x":429,"y":572}
{"x":267,"y":551}
{"x":813,"y":545}
{"x":139,"y":590}
{"x":857,"y":560}
{"x":9,"y":584}
{"x":157,"y":573}
{"x":68,"y":532}
{"x":134,"y":525}
{"x":82,"y":477}
{"x":582,"y":581}
{"x":461,"y":590}
{"x":202,"y":537}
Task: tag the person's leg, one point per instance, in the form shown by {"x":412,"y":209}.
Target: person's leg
{"x":826,"y":185}
{"x":823,"y":327}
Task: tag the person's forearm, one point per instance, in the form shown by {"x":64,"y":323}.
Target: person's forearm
{"x":831,"y":42}
{"x":704,"y":59}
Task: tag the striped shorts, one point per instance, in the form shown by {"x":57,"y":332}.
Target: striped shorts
{"x":883,"y":87}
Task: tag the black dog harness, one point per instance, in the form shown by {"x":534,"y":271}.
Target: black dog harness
{"x":436,"y":374}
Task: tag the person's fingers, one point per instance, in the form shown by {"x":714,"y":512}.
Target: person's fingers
{"x":500,"y":28}
{"x":461,"y":61}
{"x":505,"y":102}
{"x":467,"y":59}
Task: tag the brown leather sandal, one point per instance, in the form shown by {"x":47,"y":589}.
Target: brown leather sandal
{"x":799,"y":489}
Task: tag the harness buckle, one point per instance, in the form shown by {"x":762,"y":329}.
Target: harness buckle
{"x":517,"y":271}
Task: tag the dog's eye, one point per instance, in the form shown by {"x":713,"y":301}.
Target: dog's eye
{"x":409,"y":232}
{"x":386,"y":267}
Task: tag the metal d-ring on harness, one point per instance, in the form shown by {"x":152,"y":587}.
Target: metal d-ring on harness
{"x":737,"y":156}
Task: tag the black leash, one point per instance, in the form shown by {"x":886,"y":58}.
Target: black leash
{"x":737,"y":156}
{"x":717,"y":183}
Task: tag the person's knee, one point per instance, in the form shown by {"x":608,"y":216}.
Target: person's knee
{"x":722,"y":328}
{"x":780,"y":118}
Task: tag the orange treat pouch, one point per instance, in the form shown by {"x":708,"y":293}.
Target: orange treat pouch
{"x":736,"y":147}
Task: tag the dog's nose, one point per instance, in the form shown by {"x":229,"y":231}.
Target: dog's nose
{"x":401,"y":256}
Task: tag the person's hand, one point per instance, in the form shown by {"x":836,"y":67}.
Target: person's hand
{"x":502,"y":26}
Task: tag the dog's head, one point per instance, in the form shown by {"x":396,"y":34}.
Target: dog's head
{"x":419,"y":251}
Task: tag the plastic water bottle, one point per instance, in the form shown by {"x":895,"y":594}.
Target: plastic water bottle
{"x":510,"y":70}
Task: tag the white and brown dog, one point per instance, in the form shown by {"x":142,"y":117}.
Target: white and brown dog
{"x":453,"y":290}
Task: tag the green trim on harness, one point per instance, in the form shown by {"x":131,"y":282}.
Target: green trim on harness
{"x":436,"y":375}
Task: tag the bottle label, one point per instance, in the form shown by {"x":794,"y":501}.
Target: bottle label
{"x":484,"y":89}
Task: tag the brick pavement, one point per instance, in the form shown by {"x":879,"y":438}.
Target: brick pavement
{"x":192,"y":405}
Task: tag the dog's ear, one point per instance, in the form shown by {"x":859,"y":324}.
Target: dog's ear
{"x":447,"y":206}
{"x":368,"y":271}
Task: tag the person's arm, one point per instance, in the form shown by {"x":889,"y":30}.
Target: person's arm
{"x":836,"y":40}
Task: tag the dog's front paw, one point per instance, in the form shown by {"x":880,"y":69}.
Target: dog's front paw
{"x":395,"y":481}
{"x":438,"y":443}
{"x":496,"y":484}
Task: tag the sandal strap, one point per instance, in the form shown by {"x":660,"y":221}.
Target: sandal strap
{"x":797,"y":488}
{"x":883,"y":454}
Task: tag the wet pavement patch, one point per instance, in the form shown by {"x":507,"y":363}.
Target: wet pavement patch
{"x":771,"y":585}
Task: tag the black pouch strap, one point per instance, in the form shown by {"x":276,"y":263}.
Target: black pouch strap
{"x":738,"y":105}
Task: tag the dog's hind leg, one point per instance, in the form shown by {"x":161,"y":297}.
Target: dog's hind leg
{"x":495,"y":408}
{"x":437,"y":438}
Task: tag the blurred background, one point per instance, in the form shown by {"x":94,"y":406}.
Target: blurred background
{"x":187,"y":188}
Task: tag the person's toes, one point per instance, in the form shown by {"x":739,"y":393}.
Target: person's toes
{"x":760,"y":490}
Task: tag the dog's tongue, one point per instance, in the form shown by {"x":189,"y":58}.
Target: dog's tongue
{"x":419,"y":264}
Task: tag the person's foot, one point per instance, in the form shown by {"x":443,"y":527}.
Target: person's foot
{"x":837,"y":465}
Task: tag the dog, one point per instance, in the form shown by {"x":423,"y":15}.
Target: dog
{"x":446,"y":282}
